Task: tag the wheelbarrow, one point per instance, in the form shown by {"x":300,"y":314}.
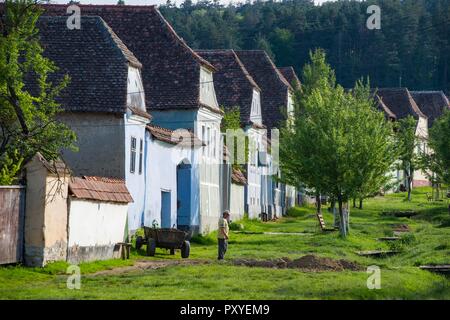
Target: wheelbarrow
{"x":165,"y":238}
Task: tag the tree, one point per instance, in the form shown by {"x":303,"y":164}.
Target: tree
{"x":338,"y":141}
{"x":28,"y":106}
{"x":437,"y":162}
{"x":418,"y":58}
{"x":407,"y":144}
{"x":372,"y":181}
{"x":232,"y":121}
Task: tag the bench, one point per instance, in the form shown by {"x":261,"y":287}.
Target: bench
{"x":123,"y":250}
{"x":322,"y":225}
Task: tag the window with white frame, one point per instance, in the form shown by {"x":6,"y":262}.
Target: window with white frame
{"x":208,"y":136}
{"x":141,"y":154}
{"x":133,"y":155}
{"x":203,"y":139}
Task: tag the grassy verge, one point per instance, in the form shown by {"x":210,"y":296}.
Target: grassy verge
{"x":429,"y":243}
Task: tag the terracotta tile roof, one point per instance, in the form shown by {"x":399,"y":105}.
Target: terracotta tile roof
{"x":233,"y":84}
{"x":400,"y":102}
{"x":274,"y":87}
{"x":141,"y":113}
{"x":171,"y":69}
{"x":383,"y":107}
{"x":432,"y":103}
{"x":101,"y":189}
{"x":183,"y":137}
{"x":57,"y":166}
{"x":238,"y":177}
{"x":94,"y":58}
{"x":291,"y":76}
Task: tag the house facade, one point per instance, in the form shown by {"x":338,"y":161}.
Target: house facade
{"x":172,"y":183}
{"x":431,"y":103}
{"x":105,"y":107}
{"x":276,"y":105}
{"x":179,"y":89}
{"x":398,"y":103}
{"x":235,"y":88}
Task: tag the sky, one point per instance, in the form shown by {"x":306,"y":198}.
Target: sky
{"x":148,"y":2}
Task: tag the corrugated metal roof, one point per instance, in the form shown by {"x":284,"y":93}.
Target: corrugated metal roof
{"x":100,"y":188}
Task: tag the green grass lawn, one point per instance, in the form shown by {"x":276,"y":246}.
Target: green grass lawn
{"x":400,"y":276}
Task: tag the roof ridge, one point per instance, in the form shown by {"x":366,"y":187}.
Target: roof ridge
{"x":127,"y":53}
{"x":240,"y":67}
{"x":141,"y":7}
{"x":185,"y":45}
{"x":414,"y":105}
{"x":272,"y":64}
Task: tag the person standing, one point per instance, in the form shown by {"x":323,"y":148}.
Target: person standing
{"x":222,"y":234}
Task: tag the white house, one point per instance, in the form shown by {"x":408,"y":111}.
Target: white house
{"x":104,"y":103}
{"x":401,"y":104}
{"x":97,"y":218}
{"x":170,"y":188}
{"x":235,"y":88}
{"x":179,"y":93}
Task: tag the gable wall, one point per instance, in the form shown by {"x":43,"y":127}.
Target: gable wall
{"x":100,"y":141}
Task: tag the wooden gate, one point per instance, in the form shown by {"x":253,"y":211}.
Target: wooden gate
{"x":12,"y":212}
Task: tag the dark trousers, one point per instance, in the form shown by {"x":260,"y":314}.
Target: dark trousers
{"x":223,"y":246}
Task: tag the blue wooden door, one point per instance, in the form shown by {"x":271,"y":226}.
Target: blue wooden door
{"x":166,"y":221}
{"x":183,"y":196}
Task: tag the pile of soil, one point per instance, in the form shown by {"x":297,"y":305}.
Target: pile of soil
{"x":309,"y":263}
{"x":401,"y":228}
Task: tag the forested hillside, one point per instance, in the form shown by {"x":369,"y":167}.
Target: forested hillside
{"x":411,"y":49}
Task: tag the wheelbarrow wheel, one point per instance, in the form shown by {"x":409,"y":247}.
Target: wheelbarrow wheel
{"x":151,"y":247}
{"x":185,"y":249}
{"x":139,"y":242}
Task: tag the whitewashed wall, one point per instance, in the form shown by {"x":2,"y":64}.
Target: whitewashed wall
{"x":255,"y":111}
{"x":237,"y":201}
{"x":420,"y":178}
{"x":254,"y":173}
{"x":94,"y":228}
{"x":208,"y":129}
{"x":207,"y":92}
{"x":135,"y":128}
{"x":162,"y":161}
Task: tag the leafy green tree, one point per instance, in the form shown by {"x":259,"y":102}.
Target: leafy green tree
{"x":407,"y":145}
{"x":437,"y":162}
{"x":338,"y":141}
{"x":414,"y":36}
{"x":232,"y":121}
{"x":27,"y":119}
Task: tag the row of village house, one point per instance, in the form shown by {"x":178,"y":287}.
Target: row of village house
{"x":146,"y":109}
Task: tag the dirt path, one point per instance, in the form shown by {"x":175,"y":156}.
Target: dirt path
{"x":144,"y":265}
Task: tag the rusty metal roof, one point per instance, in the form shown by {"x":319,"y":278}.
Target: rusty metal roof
{"x":100,"y":188}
